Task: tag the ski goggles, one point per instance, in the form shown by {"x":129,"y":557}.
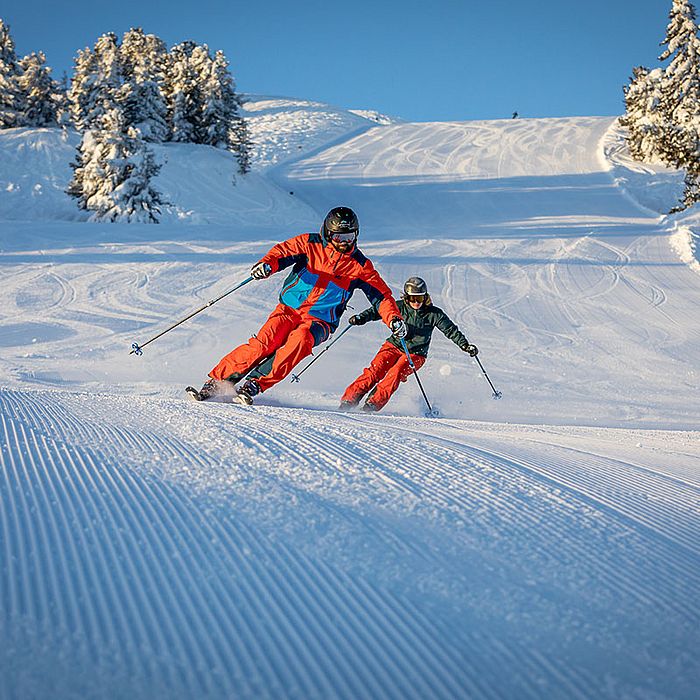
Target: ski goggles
{"x":415,"y":298}
{"x":342,"y":236}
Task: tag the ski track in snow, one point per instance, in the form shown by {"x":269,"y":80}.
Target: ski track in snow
{"x":128,"y":555}
{"x":126,"y":578}
{"x":152,"y":547}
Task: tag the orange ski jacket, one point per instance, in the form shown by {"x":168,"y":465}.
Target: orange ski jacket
{"x":322,"y":279}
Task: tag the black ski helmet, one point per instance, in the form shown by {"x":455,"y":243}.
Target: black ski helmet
{"x":340,"y":220}
{"x":415,"y":286}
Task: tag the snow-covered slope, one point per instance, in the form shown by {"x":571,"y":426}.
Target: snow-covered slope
{"x":151,"y":547}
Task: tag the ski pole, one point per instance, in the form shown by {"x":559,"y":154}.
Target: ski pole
{"x":295,"y":377}
{"x":496,"y":394}
{"x":137,"y":349}
{"x":431,"y":412}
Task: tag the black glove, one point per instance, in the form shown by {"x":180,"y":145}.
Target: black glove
{"x":355,"y":321}
{"x":260,"y":271}
{"x":398,"y":328}
{"x":470,"y":349}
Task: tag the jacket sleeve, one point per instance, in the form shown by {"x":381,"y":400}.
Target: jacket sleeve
{"x":287,"y":253}
{"x":445,"y":324}
{"x":370,"y":314}
{"x":378,"y":293}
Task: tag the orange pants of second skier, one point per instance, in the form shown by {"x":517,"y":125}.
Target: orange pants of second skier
{"x":286,"y":334}
{"x":386,"y":371}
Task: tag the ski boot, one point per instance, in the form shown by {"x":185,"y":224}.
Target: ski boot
{"x":244,"y":394}
{"x":209,"y":389}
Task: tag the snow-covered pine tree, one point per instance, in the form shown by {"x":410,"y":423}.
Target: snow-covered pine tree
{"x":219,"y":104}
{"x":96,"y":82}
{"x":663,"y":105}
{"x":221,"y":121}
{"x":144,"y":109}
{"x":84,"y":91}
{"x":141,"y":55}
{"x":41,"y":92}
{"x":680,"y":87}
{"x":12,"y":107}
{"x":63,"y":116}
{"x":109,"y":74}
{"x":240,"y":144}
{"x":182,"y":91}
{"x":143,"y":58}
{"x":79,"y":187}
{"x":691,"y":192}
{"x":135,"y":197}
{"x":643,"y":117}
{"x":113,"y":172}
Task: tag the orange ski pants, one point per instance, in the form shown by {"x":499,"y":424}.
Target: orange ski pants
{"x":382,"y":378}
{"x":286,"y":333}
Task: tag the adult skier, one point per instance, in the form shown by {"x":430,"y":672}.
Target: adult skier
{"x":327,"y":267}
{"x":390,"y":365}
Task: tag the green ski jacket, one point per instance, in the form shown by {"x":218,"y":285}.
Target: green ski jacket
{"x":420,"y":324}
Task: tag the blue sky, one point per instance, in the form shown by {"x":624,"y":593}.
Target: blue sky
{"x":443,"y":60}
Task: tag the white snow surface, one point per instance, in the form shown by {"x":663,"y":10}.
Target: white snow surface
{"x":546,"y":545}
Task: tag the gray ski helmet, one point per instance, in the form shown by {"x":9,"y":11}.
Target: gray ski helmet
{"x":340,"y":220}
{"x":415,"y":286}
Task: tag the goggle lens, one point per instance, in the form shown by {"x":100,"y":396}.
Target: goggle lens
{"x":343,"y":236}
{"x":415,"y":298}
